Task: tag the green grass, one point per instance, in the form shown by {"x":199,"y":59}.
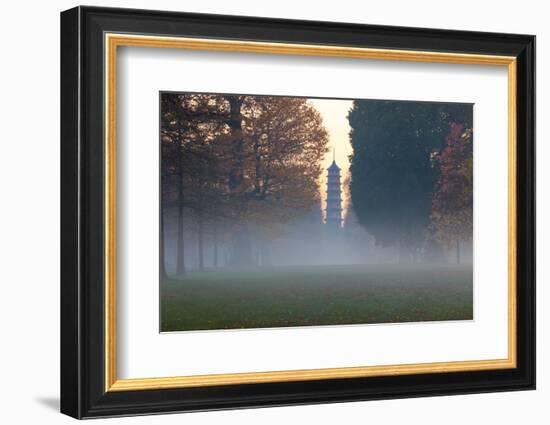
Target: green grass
{"x":315,"y":295}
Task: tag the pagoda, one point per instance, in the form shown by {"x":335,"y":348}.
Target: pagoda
{"x":334,"y":197}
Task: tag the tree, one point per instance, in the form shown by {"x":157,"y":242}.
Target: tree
{"x":189,"y":125}
{"x":205,"y":184}
{"x":285,"y":141}
{"x":252,"y":162}
{"x":392,"y":172}
{"x":171,"y":173}
{"x":452,"y":204}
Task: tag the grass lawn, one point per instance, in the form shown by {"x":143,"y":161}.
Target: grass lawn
{"x":315,"y":295}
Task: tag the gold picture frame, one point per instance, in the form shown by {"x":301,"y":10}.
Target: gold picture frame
{"x":114,"y":41}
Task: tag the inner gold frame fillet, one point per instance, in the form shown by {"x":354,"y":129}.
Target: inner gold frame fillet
{"x":113,"y":41}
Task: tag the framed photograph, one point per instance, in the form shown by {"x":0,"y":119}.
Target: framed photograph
{"x":261,"y":212}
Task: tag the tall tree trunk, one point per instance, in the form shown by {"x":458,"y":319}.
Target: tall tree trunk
{"x":162,"y":263}
{"x":235,"y":124}
{"x":242,"y":246}
{"x":216,"y":260}
{"x":200,"y":238}
{"x":180,"y":248}
{"x":457,"y":251}
{"x":180,"y":258}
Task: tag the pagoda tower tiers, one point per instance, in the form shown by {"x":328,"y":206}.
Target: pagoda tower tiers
{"x":334,"y":197}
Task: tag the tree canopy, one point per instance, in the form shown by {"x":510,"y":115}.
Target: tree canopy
{"x":392,"y":165}
{"x":244,"y":160}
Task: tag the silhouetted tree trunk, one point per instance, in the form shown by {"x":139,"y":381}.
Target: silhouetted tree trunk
{"x":215,"y":226}
{"x":235,"y":124}
{"x":242,"y":249}
{"x":242,"y":246}
{"x":162,"y":267}
{"x":457,"y":251}
{"x":200,"y":238}
{"x":180,"y":269}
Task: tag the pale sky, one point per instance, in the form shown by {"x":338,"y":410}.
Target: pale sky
{"x":334,"y":114}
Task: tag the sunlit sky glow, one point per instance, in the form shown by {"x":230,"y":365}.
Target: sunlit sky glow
{"x":334,"y":114}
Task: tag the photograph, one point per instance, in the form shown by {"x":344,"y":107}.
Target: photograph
{"x":285,"y":211}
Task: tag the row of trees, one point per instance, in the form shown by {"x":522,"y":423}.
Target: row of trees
{"x":411,"y":172}
{"x":237,"y":162}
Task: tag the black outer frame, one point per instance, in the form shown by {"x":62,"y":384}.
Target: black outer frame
{"x":82,"y":219}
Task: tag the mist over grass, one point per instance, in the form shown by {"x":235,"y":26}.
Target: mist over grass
{"x":283,"y":296}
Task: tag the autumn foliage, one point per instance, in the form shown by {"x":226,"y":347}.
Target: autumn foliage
{"x":452,"y":203}
{"x":246,"y":163}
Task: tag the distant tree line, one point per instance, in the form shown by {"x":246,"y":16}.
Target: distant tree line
{"x":411,"y":173}
{"x":236,"y":164}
